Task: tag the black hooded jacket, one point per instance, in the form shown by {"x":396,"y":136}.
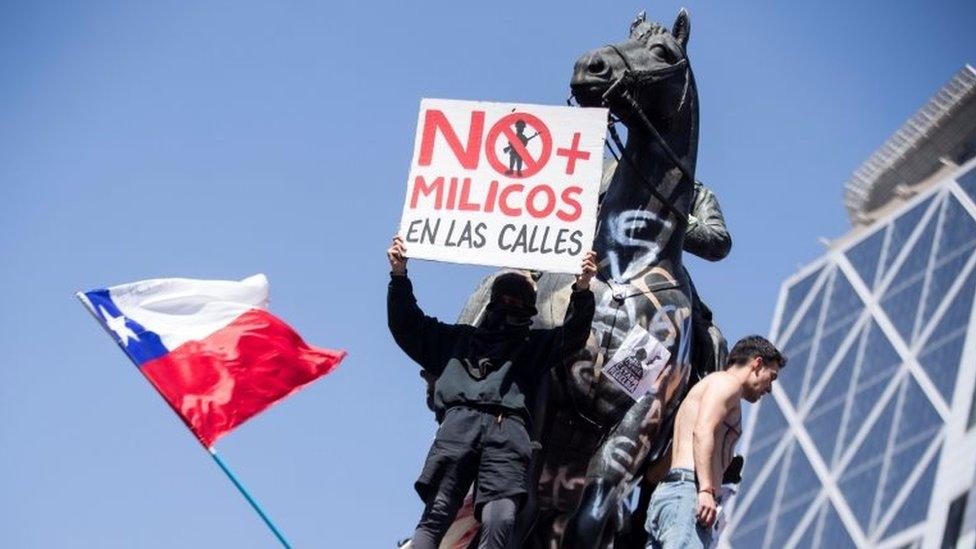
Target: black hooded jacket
{"x":441,"y":349}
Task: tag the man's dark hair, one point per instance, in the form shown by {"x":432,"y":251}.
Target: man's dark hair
{"x":752,"y":346}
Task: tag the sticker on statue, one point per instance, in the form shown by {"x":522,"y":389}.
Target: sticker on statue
{"x":637,"y":363}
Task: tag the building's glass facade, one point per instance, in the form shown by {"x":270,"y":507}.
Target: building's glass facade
{"x":846,"y":452}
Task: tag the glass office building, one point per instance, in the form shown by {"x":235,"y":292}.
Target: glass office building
{"x":868,"y":440}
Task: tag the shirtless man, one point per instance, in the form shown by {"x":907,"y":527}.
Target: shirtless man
{"x":708,"y":424}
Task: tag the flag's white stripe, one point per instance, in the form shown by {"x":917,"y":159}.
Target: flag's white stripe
{"x":184,"y":309}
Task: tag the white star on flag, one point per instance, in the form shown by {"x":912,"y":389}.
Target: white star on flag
{"x":117,"y":325}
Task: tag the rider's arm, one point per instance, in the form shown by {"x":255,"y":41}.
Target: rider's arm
{"x":718,"y":400}
{"x":707,"y":236}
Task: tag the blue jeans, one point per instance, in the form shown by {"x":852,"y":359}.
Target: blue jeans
{"x":672,"y":521}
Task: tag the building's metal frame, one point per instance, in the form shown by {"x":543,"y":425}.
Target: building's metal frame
{"x":956,"y":469}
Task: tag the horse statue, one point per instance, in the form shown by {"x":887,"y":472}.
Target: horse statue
{"x":597,"y":440}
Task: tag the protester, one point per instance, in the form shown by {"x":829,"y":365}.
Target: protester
{"x":486,"y":380}
{"x":707,"y":427}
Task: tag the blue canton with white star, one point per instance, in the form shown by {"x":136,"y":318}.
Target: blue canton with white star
{"x":140,"y":344}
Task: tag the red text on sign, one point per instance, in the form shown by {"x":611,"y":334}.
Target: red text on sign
{"x":511,"y":199}
{"x":468,"y":154}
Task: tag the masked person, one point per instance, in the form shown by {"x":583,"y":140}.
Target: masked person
{"x":486,"y":380}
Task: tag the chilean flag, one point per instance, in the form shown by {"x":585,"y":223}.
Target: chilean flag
{"x":210,"y":347}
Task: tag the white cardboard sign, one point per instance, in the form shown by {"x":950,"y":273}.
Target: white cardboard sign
{"x":504,"y":184}
{"x":637,"y":362}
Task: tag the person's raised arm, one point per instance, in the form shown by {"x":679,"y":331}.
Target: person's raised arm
{"x":579,"y":315}
{"x":717,"y":401}
{"x":422,"y":337}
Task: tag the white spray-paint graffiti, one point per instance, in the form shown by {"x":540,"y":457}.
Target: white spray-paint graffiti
{"x":563,"y":481}
{"x":622,"y":229}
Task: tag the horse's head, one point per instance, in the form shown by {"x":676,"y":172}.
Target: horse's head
{"x":649,"y":70}
{"x":647,"y":83}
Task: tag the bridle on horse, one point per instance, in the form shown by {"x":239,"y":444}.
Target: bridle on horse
{"x":620,"y":90}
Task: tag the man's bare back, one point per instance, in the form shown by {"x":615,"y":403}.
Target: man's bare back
{"x":727,"y":432}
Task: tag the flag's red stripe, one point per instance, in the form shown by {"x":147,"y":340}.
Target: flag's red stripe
{"x":219,"y":382}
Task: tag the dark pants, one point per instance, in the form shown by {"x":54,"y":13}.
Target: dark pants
{"x":473,"y":446}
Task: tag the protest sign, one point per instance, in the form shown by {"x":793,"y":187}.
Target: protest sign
{"x":637,"y":362}
{"x":504,"y":184}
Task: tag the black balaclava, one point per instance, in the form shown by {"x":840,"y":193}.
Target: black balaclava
{"x":505,"y":327}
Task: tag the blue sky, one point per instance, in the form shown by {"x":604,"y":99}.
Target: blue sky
{"x":221,"y":139}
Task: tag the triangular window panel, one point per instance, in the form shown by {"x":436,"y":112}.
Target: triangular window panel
{"x":807,"y":325}
{"x":958,"y":230}
{"x":912,"y":270}
{"x":968,"y":184}
{"x":823,"y":428}
{"x":864,"y":256}
{"x":879,"y":362}
{"x":834,"y":534}
{"x":795,"y":295}
{"x":792,"y":380}
{"x":844,"y":302}
{"x":944,"y":274}
{"x":841,"y":380}
{"x":865,"y":398}
{"x":941,"y":363}
{"x":859,"y":491}
{"x":902,"y":229}
{"x":791,"y":512}
{"x":880,"y":356}
{"x":916,"y":506}
{"x":873,"y":446}
{"x":904,"y":460}
{"x":756,"y":459}
{"x":808,"y":539}
{"x":823,"y":422}
{"x":750,"y":534}
{"x":770,"y":424}
{"x":941,"y":355}
{"x":803,"y":481}
{"x":859,"y":482}
{"x":803,"y":487}
{"x":901,"y":308}
{"x":827,"y":347}
{"x":762,"y":505}
{"x":957,"y":315}
{"x":919,"y":417}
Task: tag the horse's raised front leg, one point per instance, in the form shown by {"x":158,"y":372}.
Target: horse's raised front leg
{"x":610,"y":469}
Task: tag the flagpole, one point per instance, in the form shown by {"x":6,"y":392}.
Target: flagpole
{"x":247,"y":496}
{"x":223,"y":467}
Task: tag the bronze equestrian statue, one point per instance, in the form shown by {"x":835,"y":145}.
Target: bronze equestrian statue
{"x":597,"y":442}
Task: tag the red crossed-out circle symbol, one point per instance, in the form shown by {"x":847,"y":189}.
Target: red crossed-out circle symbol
{"x":505,"y":126}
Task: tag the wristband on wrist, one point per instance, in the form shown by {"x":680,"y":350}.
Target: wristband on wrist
{"x":709,"y":490}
